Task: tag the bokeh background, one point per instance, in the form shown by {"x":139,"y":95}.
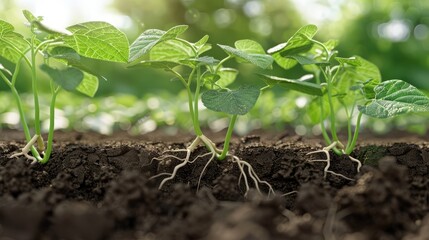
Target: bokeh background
{"x":391,"y":33}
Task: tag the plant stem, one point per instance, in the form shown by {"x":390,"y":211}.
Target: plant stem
{"x":18,"y":101}
{"x":51,"y":127}
{"x":228,"y":137}
{"x":219,"y":65}
{"x":35,"y":90}
{"x":351,"y":145}
{"x":196,"y":122}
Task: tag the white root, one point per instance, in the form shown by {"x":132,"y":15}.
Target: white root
{"x":328,"y":161}
{"x":214,"y":152}
{"x":26,"y":149}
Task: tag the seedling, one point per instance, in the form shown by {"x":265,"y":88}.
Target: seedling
{"x":352,"y":85}
{"x":185,"y":60}
{"x":65,"y":55}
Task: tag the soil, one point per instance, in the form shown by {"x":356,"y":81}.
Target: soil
{"x":100,"y":187}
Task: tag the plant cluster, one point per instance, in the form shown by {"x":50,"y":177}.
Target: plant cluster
{"x":352,"y":85}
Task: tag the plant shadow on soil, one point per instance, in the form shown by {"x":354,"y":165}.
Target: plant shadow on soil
{"x":99,"y":188}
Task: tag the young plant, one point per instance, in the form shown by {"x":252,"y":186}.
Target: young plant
{"x":352,"y":85}
{"x":65,"y":56}
{"x":185,"y":60}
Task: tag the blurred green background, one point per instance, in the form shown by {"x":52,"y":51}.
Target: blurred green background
{"x":392,"y":34}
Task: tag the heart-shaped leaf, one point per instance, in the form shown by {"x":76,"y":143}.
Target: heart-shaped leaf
{"x":12,"y":45}
{"x":98,"y":40}
{"x":395,"y":97}
{"x":235,"y":102}
{"x":149,"y":38}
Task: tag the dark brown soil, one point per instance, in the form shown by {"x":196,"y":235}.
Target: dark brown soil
{"x":98,"y":187}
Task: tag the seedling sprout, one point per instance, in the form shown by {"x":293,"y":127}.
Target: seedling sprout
{"x":352,"y":85}
{"x":164,"y":49}
{"x":64,"y":53}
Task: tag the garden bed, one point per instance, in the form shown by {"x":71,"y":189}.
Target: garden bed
{"x":98,"y":187}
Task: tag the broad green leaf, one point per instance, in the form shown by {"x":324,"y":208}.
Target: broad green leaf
{"x":89,"y":85}
{"x":12,"y":45}
{"x":248,"y":54}
{"x":285,"y":63}
{"x":65,"y":53}
{"x":357,"y":69}
{"x":68,"y":78}
{"x":294,"y":84}
{"x":300,"y":40}
{"x":235,"y":102}
{"x":149,"y":38}
{"x":249,"y":46}
{"x":222,"y":79}
{"x":171,"y":50}
{"x":70,"y":57}
{"x":98,"y":40}
{"x":395,"y":97}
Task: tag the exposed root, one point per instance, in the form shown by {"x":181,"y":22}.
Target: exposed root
{"x":246,"y":170}
{"x":326,"y":170}
{"x":25,"y":150}
{"x":252,"y":174}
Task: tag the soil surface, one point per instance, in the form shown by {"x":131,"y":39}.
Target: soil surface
{"x":103,"y":187}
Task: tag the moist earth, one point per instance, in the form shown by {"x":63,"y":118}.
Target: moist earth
{"x":97,"y":187}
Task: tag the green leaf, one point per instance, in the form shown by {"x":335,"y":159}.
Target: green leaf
{"x":395,"y":97}
{"x":12,"y":45}
{"x":65,"y":53}
{"x":149,"y":38}
{"x":235,"y":102}
{"x":249,"y":51}
{"x":70,"y":57}
{"x":222,"y":79}
{"x":299,"y":41}
{"x":285,"y":63}
{"x":357,"y":69}
{"x":68,"y":78}
{"x":249,"y":46}
{"x":171,"y":50}
{"x":30,"y":17}
{"x":299,"y":85}
{"x":202,"y":45}
{"x":89,"y":85}
{"x":98,"y":40}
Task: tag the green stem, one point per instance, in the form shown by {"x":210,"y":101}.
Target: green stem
{"x":35,"y":89}
{"x":331,"y":105}
{"x":24,"y":124}
{"x":219,"y":65}
{"x":350,"y":146}
{"x":51,"y":127}
{"x":196,"y":122}
{"x":228,"y":137}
